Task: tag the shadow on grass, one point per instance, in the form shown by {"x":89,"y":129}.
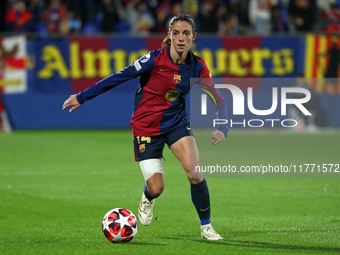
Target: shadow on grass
{"x":267,"y":245}
{"x":136,"y":243}
{"x":262,"y":245}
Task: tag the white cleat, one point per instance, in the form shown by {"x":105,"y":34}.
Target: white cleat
{"x":208,"y":232}
{"x":145,"y":210}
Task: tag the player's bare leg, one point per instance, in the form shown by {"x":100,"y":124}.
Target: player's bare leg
{"x":186,"y":152}
{"x":152,"y":189}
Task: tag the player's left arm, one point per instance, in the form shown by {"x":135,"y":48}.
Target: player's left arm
{"x":221,"y":113}
{"x":221,"y":133}
{"x":207,"y":83}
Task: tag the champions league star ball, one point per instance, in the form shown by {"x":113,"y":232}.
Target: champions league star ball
{"x":120,"y":225}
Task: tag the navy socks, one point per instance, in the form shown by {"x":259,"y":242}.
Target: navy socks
{"x":201,"y":199}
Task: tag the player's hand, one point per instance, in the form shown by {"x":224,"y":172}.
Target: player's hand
{"x":217,"y":137}
{"x":71,"y":102}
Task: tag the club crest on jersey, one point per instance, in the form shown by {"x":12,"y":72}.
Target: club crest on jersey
{"x":141,"y":148}
{"x":177,"y":78}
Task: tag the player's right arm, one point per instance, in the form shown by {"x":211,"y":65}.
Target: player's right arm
{"x":71,"y":102}
{"x":76,"y":100}
{"x":137,"y":68}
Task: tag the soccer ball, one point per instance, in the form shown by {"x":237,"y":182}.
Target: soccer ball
{"x":120,"y":225}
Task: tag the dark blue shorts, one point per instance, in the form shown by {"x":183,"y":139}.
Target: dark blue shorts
{"x":147,"y":147}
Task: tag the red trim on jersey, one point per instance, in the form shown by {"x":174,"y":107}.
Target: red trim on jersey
{"x":216,"y":94}
{"x":205,"y":73}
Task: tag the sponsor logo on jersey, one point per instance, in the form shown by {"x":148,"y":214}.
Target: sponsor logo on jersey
{"x":172,"y":95}
{"x":141,"y":148}
{"x":163,"y":69}
{"x":177,"y":78}
{"x":137,"y":65}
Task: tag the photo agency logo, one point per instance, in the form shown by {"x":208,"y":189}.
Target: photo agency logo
{"x":281,"y":99}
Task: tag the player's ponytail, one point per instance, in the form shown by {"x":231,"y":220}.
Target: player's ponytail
{"x":166,"y":41}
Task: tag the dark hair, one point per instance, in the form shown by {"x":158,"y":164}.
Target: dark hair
{"x":179,"y":17}
{"x":183,"y":17}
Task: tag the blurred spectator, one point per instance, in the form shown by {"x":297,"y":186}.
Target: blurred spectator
{"x":36,"y":7}
{"x":259,"y":15}
{"x":162,"y":14}
{"x":153,"y":6}
{"x":18,"y":17}
{"x":242,"y":9}
{"x":292,"y":4}
{"x":164,"y":11}
{"x":84,"y":9}
{"x":208,"y":20}
{"x":325,"y":5}
{"x":56,"y":17}
{"x":333,"y":55}
{"x":176,"y":9}
{"x":227,"y":21}
{"x":190,"y":7}
{"x":138,"y":18}
{"x":330,"y":20}
{"x":70,"y":24}
{"x":110,"y":17}
{"x":281,"y":7}
{"x":143,"y":17}
{"x":3,"y":11}
{"x":278,"y":22}
{"x":303,"y":16}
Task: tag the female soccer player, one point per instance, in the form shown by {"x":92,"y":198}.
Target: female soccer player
{"x":160,"y":117}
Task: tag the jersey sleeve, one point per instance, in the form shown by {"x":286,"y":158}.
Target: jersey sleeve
{"x":104,"y":85}
{"x":215,"y":95}
{"x":136,"y":69}
{"x":143,"y":65}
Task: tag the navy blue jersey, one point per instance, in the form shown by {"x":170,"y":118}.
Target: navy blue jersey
{"x":159,"y":104}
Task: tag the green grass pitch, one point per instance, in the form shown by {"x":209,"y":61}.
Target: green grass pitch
{"x":56,"y":186}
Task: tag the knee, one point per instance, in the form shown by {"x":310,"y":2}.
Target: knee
{"x":195,"y":180}
{"x":194,"y":177}
{"x":156,"y":190}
